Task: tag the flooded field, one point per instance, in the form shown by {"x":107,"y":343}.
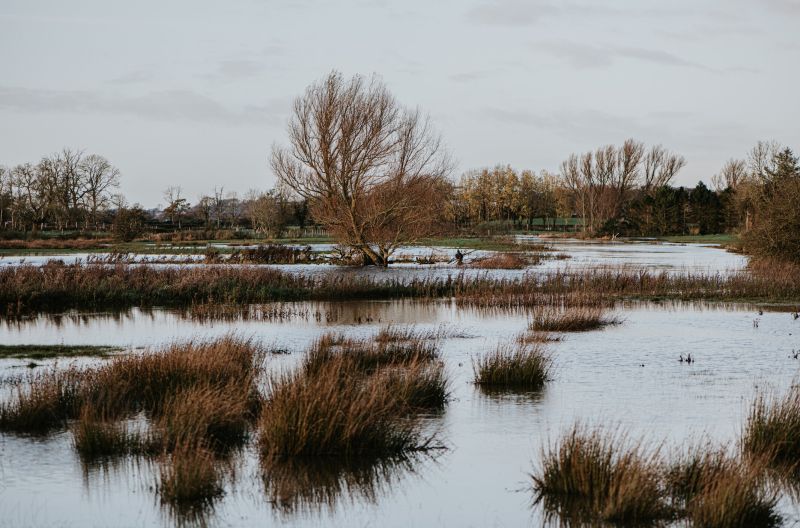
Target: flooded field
{"x":626,"y":375}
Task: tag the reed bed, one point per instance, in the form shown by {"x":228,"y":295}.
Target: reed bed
{"x":57,"y":286}
{"x":569,"y":318}
{"x":519,"y":366}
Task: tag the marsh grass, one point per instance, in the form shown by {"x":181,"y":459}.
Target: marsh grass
{"x":42,"y":403}
{"x":96,"y":437}
{"x":530,"y":338}
{"x":600,"y":476}
{"x":772,"y":430}
{"x":716,"y":490}
{"x":569,"y":318}
{"x":505,"y":261}
{"x":57,"y":286}
{"x":390,"y":347}
{"x":520,"y":366}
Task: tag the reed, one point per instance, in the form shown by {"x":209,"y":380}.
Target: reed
{"x":569,"y":319}
{"x":97,"y":437}
{"x":505,"y":261}
{"x":599,"y":476}
{"x":334,"y":412}
{"x":57,"y":286}
{"x":519,"y":366}
{"x":772,"y":430}
{"x":44,"y":403}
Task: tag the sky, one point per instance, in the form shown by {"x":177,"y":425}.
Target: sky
{"x":194,"y":93}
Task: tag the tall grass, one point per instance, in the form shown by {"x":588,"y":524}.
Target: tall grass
{"x":43,"y":403}
{"x":592,"y":475}
{"x":772,"y":430}
{"x":519,"y":366}
{"x":569,"y":318}
{"x":334,"y":412}
{"x":57,"y":286}
{"x":715,"y":490}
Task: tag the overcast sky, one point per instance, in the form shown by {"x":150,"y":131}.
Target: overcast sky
{"x":194,"y":92}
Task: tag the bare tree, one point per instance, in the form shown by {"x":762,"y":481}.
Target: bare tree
{"x":732,"y":174}
{"x":368,"y":166}
{"x":177,"y":205}
{"x":761,"y":159}
{"x":99,"y":178}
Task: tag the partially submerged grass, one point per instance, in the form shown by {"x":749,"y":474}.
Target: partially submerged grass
{"x":43,"y":403}
{"x":333,"y":412}
{"x":519,"y":366}
{"x":55,"y":351}
{"x":772,"y":430}
{"x":569,"y":318}
{"x":98,"y":437}
{"x":57,"y":286}
{"x":504,"y":261}
{"x":599,"y":476}
{"x":354,"y":397}
{"x":715,"y":490}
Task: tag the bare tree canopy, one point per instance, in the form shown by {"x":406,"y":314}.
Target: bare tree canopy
{"x":374,"y":172}
{"x":602,"y":181}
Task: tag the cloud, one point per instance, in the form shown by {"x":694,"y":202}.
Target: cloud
{"x":469,"y":76}
{"x":511,"y":13}
{"x":590,"y":56}
{"x":166,"y":105}
{"x":134,"y":77}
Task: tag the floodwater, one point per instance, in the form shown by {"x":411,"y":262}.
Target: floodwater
{"x":627,"y":376}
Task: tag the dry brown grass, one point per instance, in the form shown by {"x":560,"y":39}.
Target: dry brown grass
{"x":518,"y":366}
{"x":43,"y":403}
{"x":715,"y":490}
{"x":772,"y":430}
{"x":597,"y":476}
{"x":55,"y":243}
{"x":333,"y":412}
{"x":504,"y":261}
{"x":569,"y":318}
{"x":58,"y":286}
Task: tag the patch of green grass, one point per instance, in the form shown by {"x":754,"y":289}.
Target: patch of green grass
{"x":503,"y":243}
{"x":55,"y":351}
{"x":721,"y":239}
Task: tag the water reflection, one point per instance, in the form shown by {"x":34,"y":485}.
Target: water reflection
{"x":311,"y":485}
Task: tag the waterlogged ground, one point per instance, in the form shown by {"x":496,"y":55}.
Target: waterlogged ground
{"x":572,"y":254}
{"x":628,"y":375}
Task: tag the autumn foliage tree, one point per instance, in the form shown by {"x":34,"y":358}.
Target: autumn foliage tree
{"x":374,"y":172}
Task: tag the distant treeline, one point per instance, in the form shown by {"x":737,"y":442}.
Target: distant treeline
{"x":624,"y":190}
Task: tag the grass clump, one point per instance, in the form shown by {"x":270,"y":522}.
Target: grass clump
{"x":334,"y":412}
{"x":772,"y":430}
{"x":715,"y":490}
{"x":42,"y":404}
{"x":96,"y":437}
{"x":503,"y":261}
{"x":518,"y":366}
{"x":569,"y":318}
{"x":596,"y":476}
